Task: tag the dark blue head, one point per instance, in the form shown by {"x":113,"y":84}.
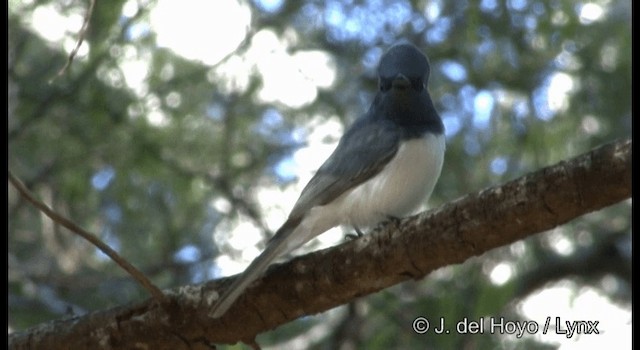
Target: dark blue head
{"x":403,"y":98}
{"x":406,"y":60}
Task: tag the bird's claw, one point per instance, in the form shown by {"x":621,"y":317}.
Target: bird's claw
{"x":352,"y":236}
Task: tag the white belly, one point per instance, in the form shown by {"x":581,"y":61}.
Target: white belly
{"x":400,"y":188}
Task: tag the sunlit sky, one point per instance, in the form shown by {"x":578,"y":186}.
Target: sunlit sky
{"x":208,"y":31}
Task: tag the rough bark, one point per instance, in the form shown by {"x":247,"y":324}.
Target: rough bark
{"x":395,"y":252}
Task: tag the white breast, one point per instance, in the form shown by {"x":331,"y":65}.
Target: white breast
{"x":399,"y":189}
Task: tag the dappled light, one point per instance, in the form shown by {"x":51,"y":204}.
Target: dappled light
{"x":182,"y":133}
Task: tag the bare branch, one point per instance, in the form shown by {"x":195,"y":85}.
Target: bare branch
{"x":81,"y":35}
{"x":93,"y":239}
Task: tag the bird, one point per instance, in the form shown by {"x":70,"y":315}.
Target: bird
{"x":385,"y":166}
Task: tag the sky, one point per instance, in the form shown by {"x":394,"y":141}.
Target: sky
{"x":294,"y":80}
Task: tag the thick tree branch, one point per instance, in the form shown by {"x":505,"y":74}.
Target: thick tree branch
{"x":325,"y":279}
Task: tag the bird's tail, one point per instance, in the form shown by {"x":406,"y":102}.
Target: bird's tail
{"x":277,"y":247}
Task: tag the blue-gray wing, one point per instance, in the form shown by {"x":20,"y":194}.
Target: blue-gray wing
{"x":363,"y":152}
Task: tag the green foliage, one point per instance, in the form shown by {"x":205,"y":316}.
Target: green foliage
{"x":165,"y":170}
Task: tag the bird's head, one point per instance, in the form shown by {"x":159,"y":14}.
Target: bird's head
{"x":402,"y":76}
{"x":403,"y":67}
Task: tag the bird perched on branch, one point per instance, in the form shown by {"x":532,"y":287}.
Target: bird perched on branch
{"x":386,"y":165}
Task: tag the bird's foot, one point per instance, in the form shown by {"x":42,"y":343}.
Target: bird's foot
{"x":394,"y":220}
{"x":353,"y":236}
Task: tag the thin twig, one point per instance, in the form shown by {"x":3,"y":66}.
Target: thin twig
{"x":81,"y":35}
{"x":93,"y":239}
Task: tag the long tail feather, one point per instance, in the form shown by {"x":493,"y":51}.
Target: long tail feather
{"x":275,"y":248}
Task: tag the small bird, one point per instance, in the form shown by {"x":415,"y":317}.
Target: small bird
{"x":385,"y":165}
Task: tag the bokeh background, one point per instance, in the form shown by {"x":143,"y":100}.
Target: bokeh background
{"x":184,"y":131}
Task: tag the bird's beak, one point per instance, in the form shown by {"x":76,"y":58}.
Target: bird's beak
{"x":401,"y":82}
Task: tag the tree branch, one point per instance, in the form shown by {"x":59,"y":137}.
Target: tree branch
{"x":81,"y":35}
{"x":93,"y":239}
{"x":391,"y":254}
